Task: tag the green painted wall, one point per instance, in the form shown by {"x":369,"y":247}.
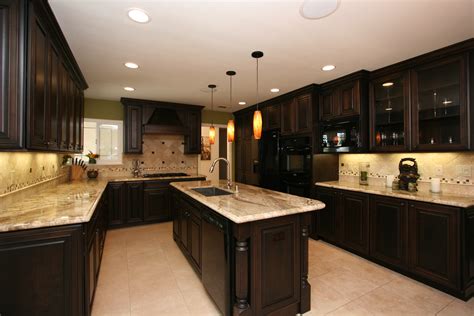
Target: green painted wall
{"x":103,"y":109}
{"x":215,"y":117}
{"x":113,"y":110}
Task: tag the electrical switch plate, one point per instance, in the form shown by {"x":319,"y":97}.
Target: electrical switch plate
{"x":438,"y":170}
{"x":466,"y":171}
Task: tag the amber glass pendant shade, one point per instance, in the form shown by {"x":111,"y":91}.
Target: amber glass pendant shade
{"x":230,"y":131}
{"x":257,"y":124}
{"x":212,"y":135}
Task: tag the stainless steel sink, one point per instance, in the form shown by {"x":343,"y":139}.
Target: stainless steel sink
{"x":211,"y":191}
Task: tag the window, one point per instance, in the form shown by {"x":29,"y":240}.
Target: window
{"x":104,"y":137}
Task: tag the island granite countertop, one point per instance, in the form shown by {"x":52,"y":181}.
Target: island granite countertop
{"x":463,"y":201}
{"x":67,"y":203}
{"x":251,"y":203}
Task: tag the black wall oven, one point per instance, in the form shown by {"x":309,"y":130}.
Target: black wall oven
{"x":296,"y":166}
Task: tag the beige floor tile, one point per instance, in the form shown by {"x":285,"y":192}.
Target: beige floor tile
{"x":425,"y":297}
{"x":458,"y":308}
{"x":324,"y":298}
{"x":199,"y":302}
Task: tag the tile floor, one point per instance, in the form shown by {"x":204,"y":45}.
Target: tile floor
{"x":143,"y":272}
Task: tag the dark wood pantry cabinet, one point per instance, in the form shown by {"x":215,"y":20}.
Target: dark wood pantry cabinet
{"x":429,"y":242}
{"x":52,"y":108}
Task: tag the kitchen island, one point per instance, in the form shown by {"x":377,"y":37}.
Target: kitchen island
{"x":250,"y":247}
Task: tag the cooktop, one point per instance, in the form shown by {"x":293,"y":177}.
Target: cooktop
{"x":164,"y":175}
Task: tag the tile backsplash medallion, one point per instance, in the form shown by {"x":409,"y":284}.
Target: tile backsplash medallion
{"x":161,"y":153}
{"x":454,"y":169}
{"x":19,"y":170}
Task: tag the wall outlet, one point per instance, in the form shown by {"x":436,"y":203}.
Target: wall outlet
{"x":465,"y":171}
{"x":438,"y":170}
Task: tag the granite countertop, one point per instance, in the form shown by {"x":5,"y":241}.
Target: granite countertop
{"x":438,"y":198}
{"x":250,"y":203}
{"x":63,"y":204}
{"x":126,"y":178}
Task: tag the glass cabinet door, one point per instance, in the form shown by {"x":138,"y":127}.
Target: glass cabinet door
{"x":439,"y":106}
{"x":389,"y":101}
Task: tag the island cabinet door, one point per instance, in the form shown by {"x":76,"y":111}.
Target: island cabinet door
{"x":353,"y":210}
{"x":434,"y":234}
{"x":326,"y":218}
{"x":183,"y":227}
{"x":41,"y":272}
{"x":175,"y":212}
{"x":194,"y":236}
{"x":389,"y":230}
{"x":276,"y":265}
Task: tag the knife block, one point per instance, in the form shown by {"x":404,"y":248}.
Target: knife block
{"x":76,"y":172}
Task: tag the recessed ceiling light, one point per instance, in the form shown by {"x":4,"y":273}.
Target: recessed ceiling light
{"x":387,"y":84}
{"x":328,"y":68}
{"x":274,"y":90}
{"x":138,"y":16}
{"x":129,"y":89}
{"x":131,"y":65}
{"x":242,"y":103}
{"x":312,"y":9}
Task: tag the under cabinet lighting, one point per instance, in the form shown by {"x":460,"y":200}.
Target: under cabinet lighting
{"x":138,"y":16}
{"x":242,"y":103}
{"x":274,"y":90}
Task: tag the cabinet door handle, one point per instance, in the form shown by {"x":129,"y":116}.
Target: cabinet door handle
{"x":402,"y":204}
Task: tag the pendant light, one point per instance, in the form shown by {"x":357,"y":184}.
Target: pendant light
{"x":257,"y":115}
{"x":230,"y":123}
{"x":212,"y":129}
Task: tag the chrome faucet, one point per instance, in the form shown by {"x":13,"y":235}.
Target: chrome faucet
{"x":211,"y":169}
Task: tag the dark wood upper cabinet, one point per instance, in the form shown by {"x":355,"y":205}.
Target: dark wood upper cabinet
{"x":30,"y":29}
{"x":390,"y":113}
{"x":133,"y":129}
{"x":271,"y":116}
{"x":434,"y":243}
{"x":288,"y":117}
{"x":439,"y":105}
{"x":389,"y":230}
{"x":12,"y":32}
{"x":349,"y":99}
{"x":296,"y":115}
{"x":192,"y":140}
{"x":327,"y":107}
{"x":37,"y":107}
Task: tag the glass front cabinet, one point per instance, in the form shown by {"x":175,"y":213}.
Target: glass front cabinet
{"x":439,"y":105}
{"x":390,"y":113}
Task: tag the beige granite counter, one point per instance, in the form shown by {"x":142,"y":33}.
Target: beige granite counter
{"x":250,"y":203}
{"x":63,"y":204}
{"x":438,"y":198}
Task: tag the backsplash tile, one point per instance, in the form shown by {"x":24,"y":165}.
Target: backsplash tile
{"x":452,"y":179}
{"x":19,"y":170}
{"x":161,"y":153}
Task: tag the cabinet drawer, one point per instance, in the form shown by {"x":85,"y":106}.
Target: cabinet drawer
{"x":156,"y":184}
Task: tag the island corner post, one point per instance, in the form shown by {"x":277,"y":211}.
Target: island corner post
{"x":271,"y":266}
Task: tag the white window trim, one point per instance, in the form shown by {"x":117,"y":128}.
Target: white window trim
{"x":120,"y":143}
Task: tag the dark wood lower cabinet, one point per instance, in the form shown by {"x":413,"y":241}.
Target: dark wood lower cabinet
{"x":434,"y":234}
{"x":134,"y":202}
{"x":326,"y":218}
{"x":353,"y":210}
{"x":41,"y":272}
{"x":389,"y":230}
{"x":157,"y":202}
{"x":430,"y":242}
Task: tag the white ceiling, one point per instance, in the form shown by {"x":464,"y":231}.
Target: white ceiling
{"x":189,"y":44}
